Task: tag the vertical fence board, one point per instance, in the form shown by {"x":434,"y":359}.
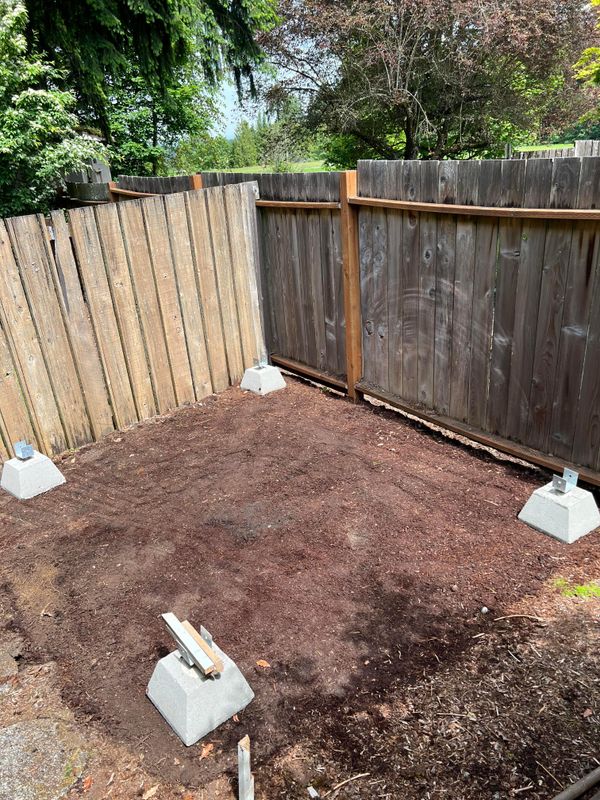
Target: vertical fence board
{"x":14,"y":414}
{"x":410,"y":281}
{"x":125,"y":309}
{"x":461,"y":290}
{"x":427,"y":275}
{"x":30,"y":246}
{"x":447,"y":241}
{"x":507,"y":270}
{"x":207,"y":283}
{"x":79,"y":326}
{"x":27,"y":353}
{"x":223,"y":270}
{"x":563,"y":194}
{"x":88,"y":250}
{"x":191,"y":308}
{"x":168,"y":297}
{"x":486,"y":247}
{"x":148,"y":304}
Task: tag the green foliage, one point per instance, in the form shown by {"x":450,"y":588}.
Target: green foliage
{"x":586,"y":127}
{"x":342,"y":151}
{"x":584,"y":590}
{"x":98,"y":42}
{"x":148,"y":126}
{"x":39,"y":141}
{"x":587,"y":68}
{"x":200,"y":153}
{"x":244,"y":150}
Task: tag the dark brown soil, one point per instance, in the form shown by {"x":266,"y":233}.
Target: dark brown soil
{"x":350,"y":549}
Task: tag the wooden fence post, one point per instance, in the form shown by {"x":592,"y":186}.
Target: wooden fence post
{"x":112,"y":198}
{"x":351,"y":271}
{"x":196,"y":181}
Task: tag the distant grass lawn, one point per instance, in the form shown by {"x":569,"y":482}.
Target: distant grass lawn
{"x":530,"y":148}
{"x":299,"y":166}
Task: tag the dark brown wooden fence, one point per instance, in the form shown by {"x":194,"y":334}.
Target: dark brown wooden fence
{"x":477,"y":294}
{"x":491,"y":321}
{"x":302,"y":279}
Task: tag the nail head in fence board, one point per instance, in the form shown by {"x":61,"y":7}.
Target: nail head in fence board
{"x":444,"y":283}
{"x":79,"y":327}
{"x":31,"y":247}
{"x":15,"y":421}
{"x":125,"y":309}
{"x":209,"y":299}
{"x":138,"y":256}
{"x":552,"y":295}
{"x":191,"y":310}
{"x":224,"y":272}
{"x":88,"y":250}
{"x":507,"y":271}
{"x":483,"y":294}
{"x":25,"y":348}
{"x":168,"y":297}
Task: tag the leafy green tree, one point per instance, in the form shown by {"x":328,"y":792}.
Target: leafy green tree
{"x":147,"y":126}
{"x":199,"y":153}
{"x":98,"y":41}
{"x":244,"y":150}
{"x":39,"y":140}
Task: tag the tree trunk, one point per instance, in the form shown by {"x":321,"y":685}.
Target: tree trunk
{"x":410,"y":148}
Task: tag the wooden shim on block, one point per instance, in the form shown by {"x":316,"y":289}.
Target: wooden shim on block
{"x":217,"y":662}
{"x":27,"y":354}
{"x":88,"y":250}
{"x":79,"y":327}
{"x":188,"y":644}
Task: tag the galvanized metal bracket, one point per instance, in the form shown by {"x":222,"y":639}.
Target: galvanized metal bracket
{"x":567,"y":482}
{"x":23,"y":451}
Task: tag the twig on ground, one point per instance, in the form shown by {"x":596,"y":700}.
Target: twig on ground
{"x":547,"y":771}
{"x":348,"y":780}
{"x":520,"y":616}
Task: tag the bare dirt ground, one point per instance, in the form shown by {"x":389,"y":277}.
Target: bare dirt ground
{"x":352,"y":551}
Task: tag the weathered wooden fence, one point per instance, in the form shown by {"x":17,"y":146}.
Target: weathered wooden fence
{"x":301,"y":247}
{"x":123,"y":312}
{"x":474,"y":287}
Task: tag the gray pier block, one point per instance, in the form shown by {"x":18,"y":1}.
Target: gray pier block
{"x":263,"y":379}
{"x":565,"y":516}
{"x":29,"y":477}
{"x":194,"y":704}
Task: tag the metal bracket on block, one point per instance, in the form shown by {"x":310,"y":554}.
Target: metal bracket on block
{"x":567,"y":482}
{"x":23,"y":451}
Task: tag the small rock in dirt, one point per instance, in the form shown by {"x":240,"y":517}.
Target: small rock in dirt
{"x":454,"y":587}
{"x":8,"y":666}
{"x":484,"y":610}
{"x":39,"y":760}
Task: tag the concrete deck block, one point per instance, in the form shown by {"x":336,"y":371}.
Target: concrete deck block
{"x":33,"y":476}
{"x":566,"y":517}
{"x":262,"y":380}
{"x":194,"y":704}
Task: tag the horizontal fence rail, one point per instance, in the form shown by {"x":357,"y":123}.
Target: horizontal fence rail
{"x":124,"y":311}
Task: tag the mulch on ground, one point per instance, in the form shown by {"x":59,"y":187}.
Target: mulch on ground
{"x":351,"y":550}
